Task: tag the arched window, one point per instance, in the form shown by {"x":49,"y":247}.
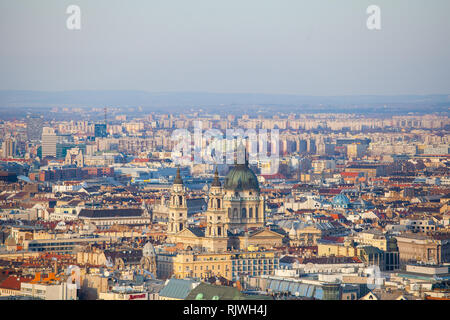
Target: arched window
{"x":256,"y":212}
{"x":219,"y":231}
{"x":229,"y":212}
{"x":218,"y":203}
{"x":244,"y":213}
{"x":180,"y":200}
{"x":235,"y":213}
{"x":250,"y":213}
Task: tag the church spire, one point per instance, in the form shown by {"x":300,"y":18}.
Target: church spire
{"x":178,"y":179}
{"x":216,"y":181}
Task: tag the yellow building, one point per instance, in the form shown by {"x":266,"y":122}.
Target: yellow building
{"x":366,"y":253}
{"x":377,"y":240}
{"x":355,"y":150}
{"x":229,"y":265}
{"x":336,"y":249}
{"x":189,"y":264}
{"x":253,"y":263}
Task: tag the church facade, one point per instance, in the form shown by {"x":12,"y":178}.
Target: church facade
{"x":235,"y":219}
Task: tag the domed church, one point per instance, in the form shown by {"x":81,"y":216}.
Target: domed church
{"x":235,"y":218}
{"x":242,"y":199}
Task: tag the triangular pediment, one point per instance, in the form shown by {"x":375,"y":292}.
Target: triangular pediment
{"x":370,"y":296}
{"x":186,"y":233}
{"x":264,"y":233}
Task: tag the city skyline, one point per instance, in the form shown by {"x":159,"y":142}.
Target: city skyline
{"x":224,"y":159}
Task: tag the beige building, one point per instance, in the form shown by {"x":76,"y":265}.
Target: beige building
{"x":425,"y":248}
{"x":49,"y":291}
{"x":229,"y":265}
{"x":202,"y":265}
{"x":235,"y":217}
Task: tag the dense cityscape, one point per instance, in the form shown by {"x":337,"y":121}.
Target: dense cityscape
{"x":229,"y":159}
{"x":347,"y":206}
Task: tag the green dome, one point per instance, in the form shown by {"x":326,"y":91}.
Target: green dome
{"x":241,"y":177}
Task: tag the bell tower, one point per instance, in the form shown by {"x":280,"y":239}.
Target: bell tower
{"x":177,"y":205}
{"x":216,"y":214}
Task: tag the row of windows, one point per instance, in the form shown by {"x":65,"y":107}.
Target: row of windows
{"x":219,"y":231}
{"x":179,"y":202}
{"x":32,"y":245}
{"x":243,"y":213}
{"x":218,"y":267}
{"x":119,"y":221}
{"x":254,"y":273}
{"x":212,"y":202}
{"x":249,"y":268}
{"x":255,"y":261}
{"x":202,"y":275}
{"x":64,"y":249}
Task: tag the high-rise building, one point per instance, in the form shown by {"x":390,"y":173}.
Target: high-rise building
{"x":355,"y":150}
{"x":9,"y":148}
{"x":49,"y":141}
{"x":311,"y":146}
{"x":100,"y":130}
{"x":34,"y":127}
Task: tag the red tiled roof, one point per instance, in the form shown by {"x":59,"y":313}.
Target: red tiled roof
{"x":349,"y":174}
{"x":337,"y":216}
{"x":273,"y":176}
{"x":13,"y":282}
{"x":334,"y":239}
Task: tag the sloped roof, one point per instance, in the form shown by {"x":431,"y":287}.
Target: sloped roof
{"x":199,"y":232}
{"x":111,"y":213}
{"x":208,"y":291}
{"x":13,"y":282}
{"x":127,"y":255}
{"x":177,"y":288}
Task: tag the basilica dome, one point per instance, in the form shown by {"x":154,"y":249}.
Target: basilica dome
{"x":241,"y":177}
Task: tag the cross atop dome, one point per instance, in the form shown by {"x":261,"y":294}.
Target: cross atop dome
{"x":216,"y":181}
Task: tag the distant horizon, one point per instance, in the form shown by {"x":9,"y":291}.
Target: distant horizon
{"x":232,"y":93}
{"x":18,"y":102}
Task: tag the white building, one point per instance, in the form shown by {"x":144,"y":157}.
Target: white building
{"x":49,"y":140}
{"x":58,"y":291}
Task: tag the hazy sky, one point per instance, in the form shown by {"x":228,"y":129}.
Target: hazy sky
{"x":315,"y":47}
